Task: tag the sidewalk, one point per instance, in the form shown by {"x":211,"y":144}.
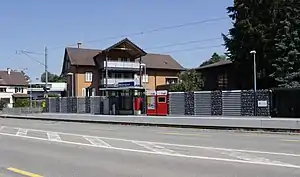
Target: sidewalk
{"x":178,"y":121}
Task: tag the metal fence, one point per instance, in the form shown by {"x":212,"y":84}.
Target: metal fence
{"x":22,"y":110}
{"x":220,"y":103}
{"x":201,"y":103}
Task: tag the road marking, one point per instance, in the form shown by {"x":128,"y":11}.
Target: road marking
{"x":22,"y":132}
{"x":155,"y":148}
{"x":177,"y":145}
{"x":53,"y":136}
{"x":167,"y":154}
{"x":97,"y":142}
{"x":184,"y":134}
{"x":24,"y":173}
{"x":291,"y":140}
{"x":249,"y":157}
{"x":1,"y":128}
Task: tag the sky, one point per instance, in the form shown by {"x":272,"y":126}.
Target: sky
{"x":30,"y":25}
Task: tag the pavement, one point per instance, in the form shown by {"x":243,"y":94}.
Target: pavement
{"x":49,"y":148}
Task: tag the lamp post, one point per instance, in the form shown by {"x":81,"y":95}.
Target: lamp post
{"x":72,"y":83}
{"x":30,"y":92}
{"x":253,"y":52}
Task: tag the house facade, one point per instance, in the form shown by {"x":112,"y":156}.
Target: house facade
{"x":13,"y":85}
{"x":122,"y":64}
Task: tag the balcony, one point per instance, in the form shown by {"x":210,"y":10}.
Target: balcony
{"x":121,"y":65}
{"x":115,"y":81}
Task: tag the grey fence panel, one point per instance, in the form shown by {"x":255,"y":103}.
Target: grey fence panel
{"x":263,"y":95}
{"x":81,"y":105}
{"x":216,"y":103}
{"x":176,"y":103}
{"x":203,"y":103}
{"x":189,"y":103}
{"x":52,"y":105}
{"x":231,"y":103}
{"x":64,"y":104}
{"x":95,"y":105}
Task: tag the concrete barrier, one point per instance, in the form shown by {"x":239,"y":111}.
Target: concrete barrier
{"x":179,"y":121}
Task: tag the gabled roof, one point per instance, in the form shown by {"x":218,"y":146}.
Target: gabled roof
{"x":14,"y":78}
{"x":160,"y":61}
{"x":81,"y":57}
{"x":84,"y":57}
{"x":219,"y":63}
{"x":126,"y":44}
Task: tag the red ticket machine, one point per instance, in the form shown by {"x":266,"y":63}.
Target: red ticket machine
{"x":162,"y":102}
{"x":151,"y":103}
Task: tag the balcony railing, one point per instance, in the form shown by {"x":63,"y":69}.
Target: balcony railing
{"x":115,"y":81}
{"x":122,"y":64}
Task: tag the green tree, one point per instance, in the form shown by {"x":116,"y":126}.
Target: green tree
{"x":270,"y":27}
{"x":189,"y":81}
{"x":213,"y":59}
{"x":52,"y":78}
{"x":21,"y":102}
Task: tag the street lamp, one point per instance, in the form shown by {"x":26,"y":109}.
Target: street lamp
{"x":72,"y":83}
{"x":253,"y":52}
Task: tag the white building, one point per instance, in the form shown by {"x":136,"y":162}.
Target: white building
{"x":36,"y":89}
{"x":13,"y":85}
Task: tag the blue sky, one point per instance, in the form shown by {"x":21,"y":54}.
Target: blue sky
{"x":32,"y":24}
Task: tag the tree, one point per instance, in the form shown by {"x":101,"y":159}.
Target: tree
{"x":52,"y":78}
{"x":287,"y":44}
{"x":189,"y":81}
{"x":213,"y":59}
{"x":263,"y":26}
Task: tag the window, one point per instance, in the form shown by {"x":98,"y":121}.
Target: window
{"x":19,"y":90}
{"x":223,"y":81}
{"x":171,"y":80}
{"x":2,"y":89}
{"x":83,"y":92}
{"x":161,"y":99}
{"x":88,"y":76}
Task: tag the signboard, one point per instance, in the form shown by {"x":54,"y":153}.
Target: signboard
{"x":126,"y":84}
{"x":262,"y":103}
{"x":162,"y":92}
{"x":151,"y":103}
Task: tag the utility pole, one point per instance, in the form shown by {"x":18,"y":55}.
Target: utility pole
{"x":46,"y":72}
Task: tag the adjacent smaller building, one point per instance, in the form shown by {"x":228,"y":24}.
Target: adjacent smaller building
{"x":219,"y":76}
{"x":13,"y":85}
{"x":36,"y":89}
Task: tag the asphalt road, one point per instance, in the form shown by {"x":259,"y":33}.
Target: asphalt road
{"x":60,"y":149}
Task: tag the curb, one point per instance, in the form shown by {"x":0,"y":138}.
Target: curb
{"x":241,"y":129}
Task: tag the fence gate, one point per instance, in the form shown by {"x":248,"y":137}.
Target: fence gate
{"x":231,"y":103}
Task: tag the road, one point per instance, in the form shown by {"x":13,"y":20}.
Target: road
{"x":63,"y":149}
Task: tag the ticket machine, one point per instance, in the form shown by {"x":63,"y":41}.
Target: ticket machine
{"x":157,"y":103}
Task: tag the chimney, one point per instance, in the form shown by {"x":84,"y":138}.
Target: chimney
{"x":8,"y":71}
{"x":79,"y":44}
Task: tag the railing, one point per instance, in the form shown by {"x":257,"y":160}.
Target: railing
{"x":122,"y":64}
{"x":115,"y":81}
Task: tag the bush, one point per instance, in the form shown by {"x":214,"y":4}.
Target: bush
{"x":21,"y":102}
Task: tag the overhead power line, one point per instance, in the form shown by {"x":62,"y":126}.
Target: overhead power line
{"x":195,"y":48}
{"x":149,"y":31}
{"x":183,"y":43}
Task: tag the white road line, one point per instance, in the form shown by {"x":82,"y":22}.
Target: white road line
{"x":22,"y":132}
{"x":52,"y":136}
{"x":248,"y":157}
{"x":1,"y":128}
{"x":154,"y":147}
{"x":180,"y":145}
{"x":97,"y":142}
{"x":173,"y":155}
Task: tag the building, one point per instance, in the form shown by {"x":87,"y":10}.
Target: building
{"x":219,"y":76}
{"x":127,"y":64}
{"x":36,"y":89}
{"x":13,"y":85}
